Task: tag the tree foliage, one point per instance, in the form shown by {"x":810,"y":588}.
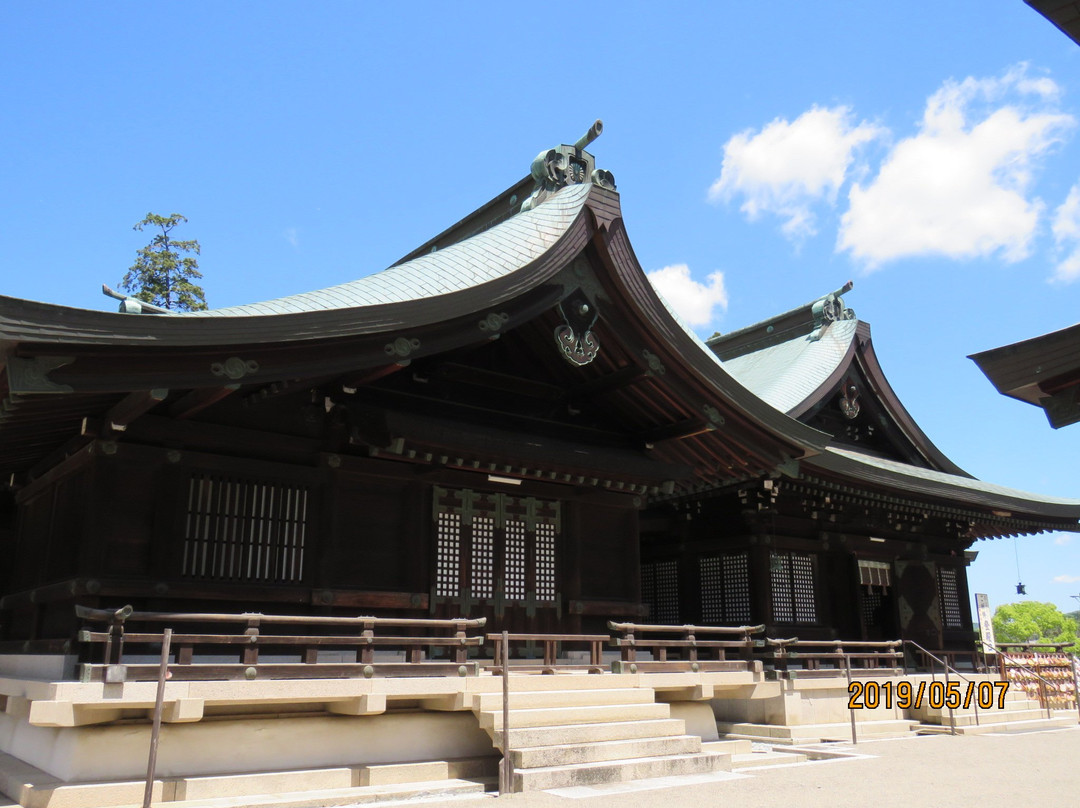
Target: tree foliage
{"x":1031,"y":620}
{"x":162,"y":274}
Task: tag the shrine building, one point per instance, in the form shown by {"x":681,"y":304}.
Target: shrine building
{"x":510,"y":423}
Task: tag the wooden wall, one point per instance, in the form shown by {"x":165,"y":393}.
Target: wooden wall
{"x":113,"y":527}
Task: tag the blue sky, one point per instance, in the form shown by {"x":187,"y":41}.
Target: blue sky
{"x":765,"y":153}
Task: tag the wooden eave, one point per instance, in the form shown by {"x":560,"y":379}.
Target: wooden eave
{"x":900,"y":511}
{"x":994,"y":510}
{"x":85,"y":363}
{"x":1064,"y":14}
{"x":694,"y":383}
{"x":1034,"y":368}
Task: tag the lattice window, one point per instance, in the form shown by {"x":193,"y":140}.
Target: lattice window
{"x":780,"y":566}
{"x":667,"y":592}
{"x":792,"y":576}
{"x":648,"y":586}
{"x":546,"y":534}
{"x":514,"y":584}
{"x":660,"y":589}
{"x":949,"y":599}
{"x":448,"y":554}
{"x":483,"y":556}
{"x":870,"y":601}
{"x":725,"y":589}
{"x":802,"y":587}
{"x":244,"y":530}
{"x":737,"y":588}
{"x":712,"y":590}
{"x":488,"y":541}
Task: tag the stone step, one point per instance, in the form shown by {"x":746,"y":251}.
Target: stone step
{"x":771,"y":758}
{"x":617,"y":771}
{"x":925,"y":712}
{"x":562,"y":716}
{"x":985,"y":728}
{"x":573,"y":754}
{"x":816,"y":733}
{"x":326,"y":798}
{"x":528,"y":737}
{"x":731,"y":747}
{"x":523,"y":700}
{"x":968,"y":719}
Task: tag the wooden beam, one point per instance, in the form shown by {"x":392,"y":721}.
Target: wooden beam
{"x":218,"y":438}
{"x":606,"y":384}
{"x":678,"y":431}
{"x":58,"y":456}
{"x":464,"y":374}
{"x":395,"y":401}
{"x":198,"y":400}
{"x":355,"y":380}
{"x":131,"y":407}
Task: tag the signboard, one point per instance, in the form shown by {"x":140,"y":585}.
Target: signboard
{"x":986,"y":625}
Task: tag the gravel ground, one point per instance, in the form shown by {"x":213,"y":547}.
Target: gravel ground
{"x":1022,"y":770}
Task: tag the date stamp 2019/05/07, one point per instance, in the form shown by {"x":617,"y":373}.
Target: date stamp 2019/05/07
{"x":934,"y":694}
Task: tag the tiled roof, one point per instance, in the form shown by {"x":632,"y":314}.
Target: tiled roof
{"x":927,"y":481}
{"x":485,"y":257}
{"x":784,"y":375}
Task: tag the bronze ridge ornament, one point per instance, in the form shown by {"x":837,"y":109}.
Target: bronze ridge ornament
{"x":575,"y":338}
{"x":567,"y":165}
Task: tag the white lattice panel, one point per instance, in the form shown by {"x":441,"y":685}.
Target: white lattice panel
{"x":448,"y":554}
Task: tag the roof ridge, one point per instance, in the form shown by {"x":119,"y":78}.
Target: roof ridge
{"x":808,"y":318}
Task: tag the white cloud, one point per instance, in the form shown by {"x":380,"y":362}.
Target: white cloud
{"x":292,"y":235}
{"x":959,"y":187}
{"x":692,"y":301}
{"x":1066,"y":228}
{"x":1066,"y":579}
{"x":787,"y":167}
{"x":1063,"y":538}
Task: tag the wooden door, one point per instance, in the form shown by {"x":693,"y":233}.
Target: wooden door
{"x":497,"y":556}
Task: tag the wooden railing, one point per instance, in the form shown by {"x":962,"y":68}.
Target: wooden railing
{"x":795,"y":658}
{"x":253,"y":636}
{"x":301,"y":647}
{"x":690,"y":652}
{"x":953,"y":658}
{"x":551,"y":644}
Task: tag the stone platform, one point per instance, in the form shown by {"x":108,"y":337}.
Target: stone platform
{"x":69,"y":744}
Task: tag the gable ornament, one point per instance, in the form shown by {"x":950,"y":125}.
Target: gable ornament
{"x":576,"y":341}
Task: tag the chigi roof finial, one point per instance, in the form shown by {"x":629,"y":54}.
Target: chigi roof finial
{"x":567,"y":165}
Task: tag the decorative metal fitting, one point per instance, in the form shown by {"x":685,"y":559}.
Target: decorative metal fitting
{"x":575,"y":339}
{"x":234,"y":367}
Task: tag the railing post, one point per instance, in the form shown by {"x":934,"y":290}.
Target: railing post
{"x":1042,"y":696}
{"x":461,"y":652}
{"x":250,"y":654}
{"x":851,"y":713}
{"x":114,"y":643}
{"x":367,"y":652}
{"x":1076,"y":685}
{"x":506,"y":784}
{"x":952,"y":717}
{"x":155,"y":732}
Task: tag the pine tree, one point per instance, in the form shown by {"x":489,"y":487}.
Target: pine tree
{"x":162,"y":274}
